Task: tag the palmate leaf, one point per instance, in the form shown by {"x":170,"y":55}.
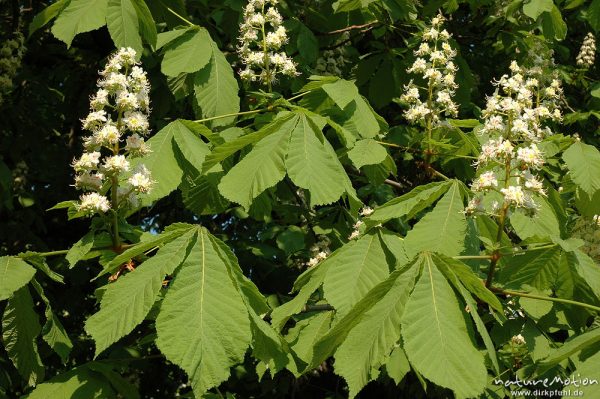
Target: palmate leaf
{"x":216,"y":89}
{"x":262,"y":168}
{"x":436,"y":338}
{"x":312,"y":164}
{"x":126,"y":302}
{"x":203,"y":325}
{"x":78,"y":17}
{"x":441,"y":230}
{"x":20,"y":328}
{"x":14,"y":274}
{"x":123,"y":24}
{"x":358,"y":267}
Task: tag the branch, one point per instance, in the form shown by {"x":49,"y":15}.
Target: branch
{"x":544,"y":298}
{"x":352,"y":27}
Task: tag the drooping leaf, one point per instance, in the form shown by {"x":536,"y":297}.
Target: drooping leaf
{"x":80,"y":249}
{"x":78,"y":17}
{"x":370,"y":343}
{"x":53,"y":331}
{"x":146,"y":21}
{"x":14,"y":274}
{"x":358,"y":267}
{"x":312,"y":164}
{"x":441,"y":230}
{"x":571,"y":346}
{"x":203,"y":310}
{"x":128,"y":300}
{"x":543,"y":224}
{"x":189,"y":52}
{"x":123,"y":24}
{"x":20,"y":329}
{"x":535,"y":8}
{"x":397,"y":366}
{"x":436,"y":338}
{"x":583,"y":161}
{"x":307,"y":331}
{"x":216,"y":89}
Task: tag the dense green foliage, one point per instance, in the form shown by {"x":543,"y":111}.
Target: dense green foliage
{"x":310,"y":231}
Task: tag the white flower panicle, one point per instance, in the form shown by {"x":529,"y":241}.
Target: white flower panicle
{"x":587,"y":53}
{"x":261,"y":39}
{"x":118,"y":113}
{"x":515,"y":120}
{"x":320,"y":251}
{"x":435,"y":64}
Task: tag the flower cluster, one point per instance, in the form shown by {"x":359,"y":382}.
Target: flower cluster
{"x":262,"y":37}
{"x":435,"y":64}
{"x":11,"y":54}
{"x":589,"y":231}
{"x":364,"y":212}
{"x":514,"y":121}
{"x":587,"y":53}
{"x":120,"y":106}
{"x":332,"y":62}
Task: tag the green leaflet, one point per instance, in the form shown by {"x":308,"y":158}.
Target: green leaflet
{"x":262,"y":168}
{"x":20,"y":329}
{"x":53,"y":331}
{"x":80,"y":382}
{"x":367,"y":152}
{"x":358,"y":267}
{"x":80,"y":249}
{"x":14,"y":274}
{"x":583,"y":161}
{"x":535,"y":8}
{"x":78,"y":17}
{"x":171,"y":232}
{"x":203,"y":310}
{"x":123,"y":24}
{"x":543,"y":224}
{"x":436,"y":338}
{"x":410,"y":203}
{"x":312,"y":164}
{"x":216,"y":89}
{"x":370,"y":342}
{"x":571,"y":346}
{"x":164,"y":162}
{"x":189,"y":52}
{"x":303,"y":336}
{"x":441,"y":230}
{"x":126,"y":302}
{"x":534,"y":268}
{"x":146,"y":21}
{"x":46,"y":15}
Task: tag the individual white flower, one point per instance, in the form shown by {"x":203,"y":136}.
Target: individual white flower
{"x":531,"y":156}
{"x":127,"y":101}
{"x":100,"y":100}
{"x":354,"y":234}
{"x":475,"y":205}
{"x":92,"y":203}
{"x":107,"y":136}
{"x":518,"y":340}
{"x":114,"y":82}
{"x":141,"y":181}
{"x":87,"y":181}
{"x":115,"y":164}
{"x":366,"y":211}
{"x":423,"y":49}
{"x":485,"y":181}
{"x":532,"y":183}
{"x":514,"y":195}
{"x":136,"y":122}
{"x":88,"y":161}
{"x":136,"y":146}
{"x":94,"y":119}
{"x":418,"y":66}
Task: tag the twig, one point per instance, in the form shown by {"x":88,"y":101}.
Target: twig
{"x":352,"y":27}
{"x":544,"y":298}
{"x":394,"y":183}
